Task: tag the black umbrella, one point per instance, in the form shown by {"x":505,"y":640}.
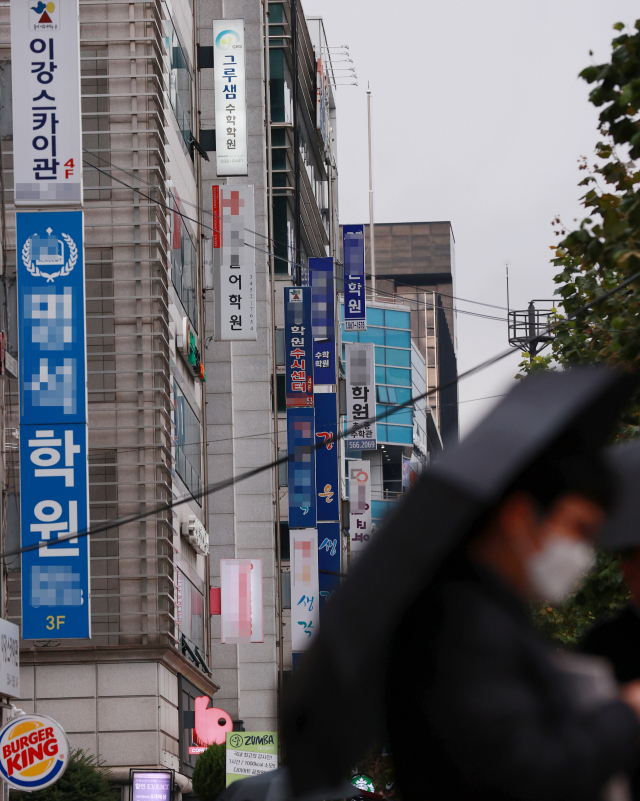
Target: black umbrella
{"x":621,"y":532}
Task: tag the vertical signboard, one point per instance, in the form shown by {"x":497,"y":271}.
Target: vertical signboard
{"x":298,"y":344}
{"x":304,"y":587}
{"x":359,"y":506}
{"x":355,"y":311}
{"x":234,"y":263}
{"x":361,"y":396}
{"x":328,"y":562}
{"x":301,"y":467}
{"x":323,"y":320}
{"x":241,"y":601}
{"x":229,"y":85}
{"x":327,"y":482}
{"x":53,"y":425}
{"x":322,"y":102}
{"x":47,"y":135}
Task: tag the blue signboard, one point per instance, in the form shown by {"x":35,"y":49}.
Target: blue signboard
{"x":355,"y":311}
{"x":54,"y":483}
{"x":329,"y":547}
{"x":327,"y":456}
{"x":323,"y":319}
{"x":301,"y":467}
{"x":298,"y":344}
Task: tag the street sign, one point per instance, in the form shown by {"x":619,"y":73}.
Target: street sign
{"x":355,"y":307}
{"x":34,"y":752}
{"x":251,"y":754}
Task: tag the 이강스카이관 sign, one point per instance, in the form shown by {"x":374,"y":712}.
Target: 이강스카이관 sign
{"x":250,"y":754}
{"x":359,"y":506}
{"x":53,"y":425}
{"x":361,"y":396}
{"x":355,"y":307}
{"x":229,"y":86}
{"x":234,"y":263}
{"x":47,"y":135}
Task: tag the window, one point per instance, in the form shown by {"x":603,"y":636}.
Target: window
{"x":183,"y":264}
{"x":188,"y":437}
{"x":180,"y":82}
{"x":190,"y":610}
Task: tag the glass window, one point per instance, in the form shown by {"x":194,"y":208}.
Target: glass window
{"x":380,"y":355}
{"x":392,"y":392}
{"x":189,"y":610}
{"x":349,"y":336}
{"x":402,"y":434}
{"x":396,"y":319}
{"x":398,"y":339}
{"x":188,"y":437}
{"x":381,"y":376}
{"x":399,"y":358}
{"x":382,"y":433}
{"x":180,"y":82}
{"x":403,"y":395}
{"x":183,"y":265}
{"x":375,"y":335}
{"x":399,"y":377}
{"x":375,"y":316}
{"x":383,"y":395}
{"x":401,"y":417}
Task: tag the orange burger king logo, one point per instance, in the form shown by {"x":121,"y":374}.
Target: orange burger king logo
{"x":34,"y":752}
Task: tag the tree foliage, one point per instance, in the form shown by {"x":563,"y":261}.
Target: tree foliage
{"x":210,"y":775}
{"x":598,"y":255}
{"x":83,"y":779}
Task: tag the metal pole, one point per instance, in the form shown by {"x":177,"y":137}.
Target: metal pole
{"x":267,"y":78}
{"x":372,"y":244}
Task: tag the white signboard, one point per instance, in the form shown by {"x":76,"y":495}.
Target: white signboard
{"x":241,"y":601}
{"x":230,"y":96}
{"x":361,"y":396}
{"x":234,"y":263}
{"x":47,"y":134}
{"x":359,"y":506}
{"x":9,"y":659}
{"x":305,"y":592}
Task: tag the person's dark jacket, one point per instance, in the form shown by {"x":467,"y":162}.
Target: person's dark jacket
{"x":478,"y":710}
{"x":619,"y":640}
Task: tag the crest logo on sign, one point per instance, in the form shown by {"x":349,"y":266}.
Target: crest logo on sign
{"x":34,"y":752}
{"x":39,"y":252}
{"x":44,"y":16}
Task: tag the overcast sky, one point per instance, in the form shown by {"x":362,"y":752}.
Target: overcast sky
{"x":479,"y":118}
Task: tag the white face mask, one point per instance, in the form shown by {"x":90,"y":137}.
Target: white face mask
{"x":554,"y":571}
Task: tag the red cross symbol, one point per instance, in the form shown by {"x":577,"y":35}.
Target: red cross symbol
{"x":234,"y":203}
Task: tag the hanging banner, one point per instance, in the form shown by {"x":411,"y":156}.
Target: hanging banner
{"x":241,"y":601}
{"x":361,"y":396}
{"x":327,"y":481}
{"x":355,"y":311}
{"x":234,"y":263}
{"x":301,"y":467}
{"x":54,"y":478}
{"x":45,"y":75}
{"x":304,"y":587}
{"x":229,"y":86}
{"x":329,"y":550}
{"x":323,"y":320}
{"x":406,"y":461}
{"x":298,"y":345}
{"x":322,"y":102}
{"x":359,"y":473}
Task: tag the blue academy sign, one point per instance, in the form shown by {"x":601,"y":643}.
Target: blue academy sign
{"x":54,"y":482}
{"x":329,"y":547}
{"x":301,"y":467}
{"x":355,"y":311}
{"x":298,"y":344}
{"x":323,"y":320}
{"x":327,"y":456}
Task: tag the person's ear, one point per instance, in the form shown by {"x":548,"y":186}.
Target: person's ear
{"x":518,"y":515}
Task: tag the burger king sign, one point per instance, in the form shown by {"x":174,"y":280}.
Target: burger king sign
{"x":34,"y":752}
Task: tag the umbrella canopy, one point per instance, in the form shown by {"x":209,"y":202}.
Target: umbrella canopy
{"x":621,"y":532}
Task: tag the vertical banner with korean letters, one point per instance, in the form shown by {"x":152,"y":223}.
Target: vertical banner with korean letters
{"x":301,"y":467}
{"x":45,"y":74}
{"x":355,"y":308}
{"x":53,"y":425}
{"x":361,"y":396}
{"x":359,"y":473}
{"x":234,"y":263}
{"x":327,"y":481}
{"x":304,"y":587}
{"x":298,"y":346}
{"x":241,"y":601}
{"x":323,"y":320}
{"x":229,"y":85}
{"x":329,"y":562}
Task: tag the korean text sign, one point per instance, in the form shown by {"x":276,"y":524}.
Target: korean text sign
{"x":304,"y":587}
{"x":301,"y":467}
{"x":329,"y":559}
{"x":234,"y":263}
{"x":328,"y":496}
{"x":323,"y":320}
{"x":359,"y":473}
{"x":355,"y":311}
{"x":241,"y":612}
{"x":151,"y":785}
{"x":361,"y":396}
{"x":229,"y":83}
{"x":250,"y":754}
{"x":53,"y":425}
{"x":47,"y":136}
{"x":298,"y":345}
